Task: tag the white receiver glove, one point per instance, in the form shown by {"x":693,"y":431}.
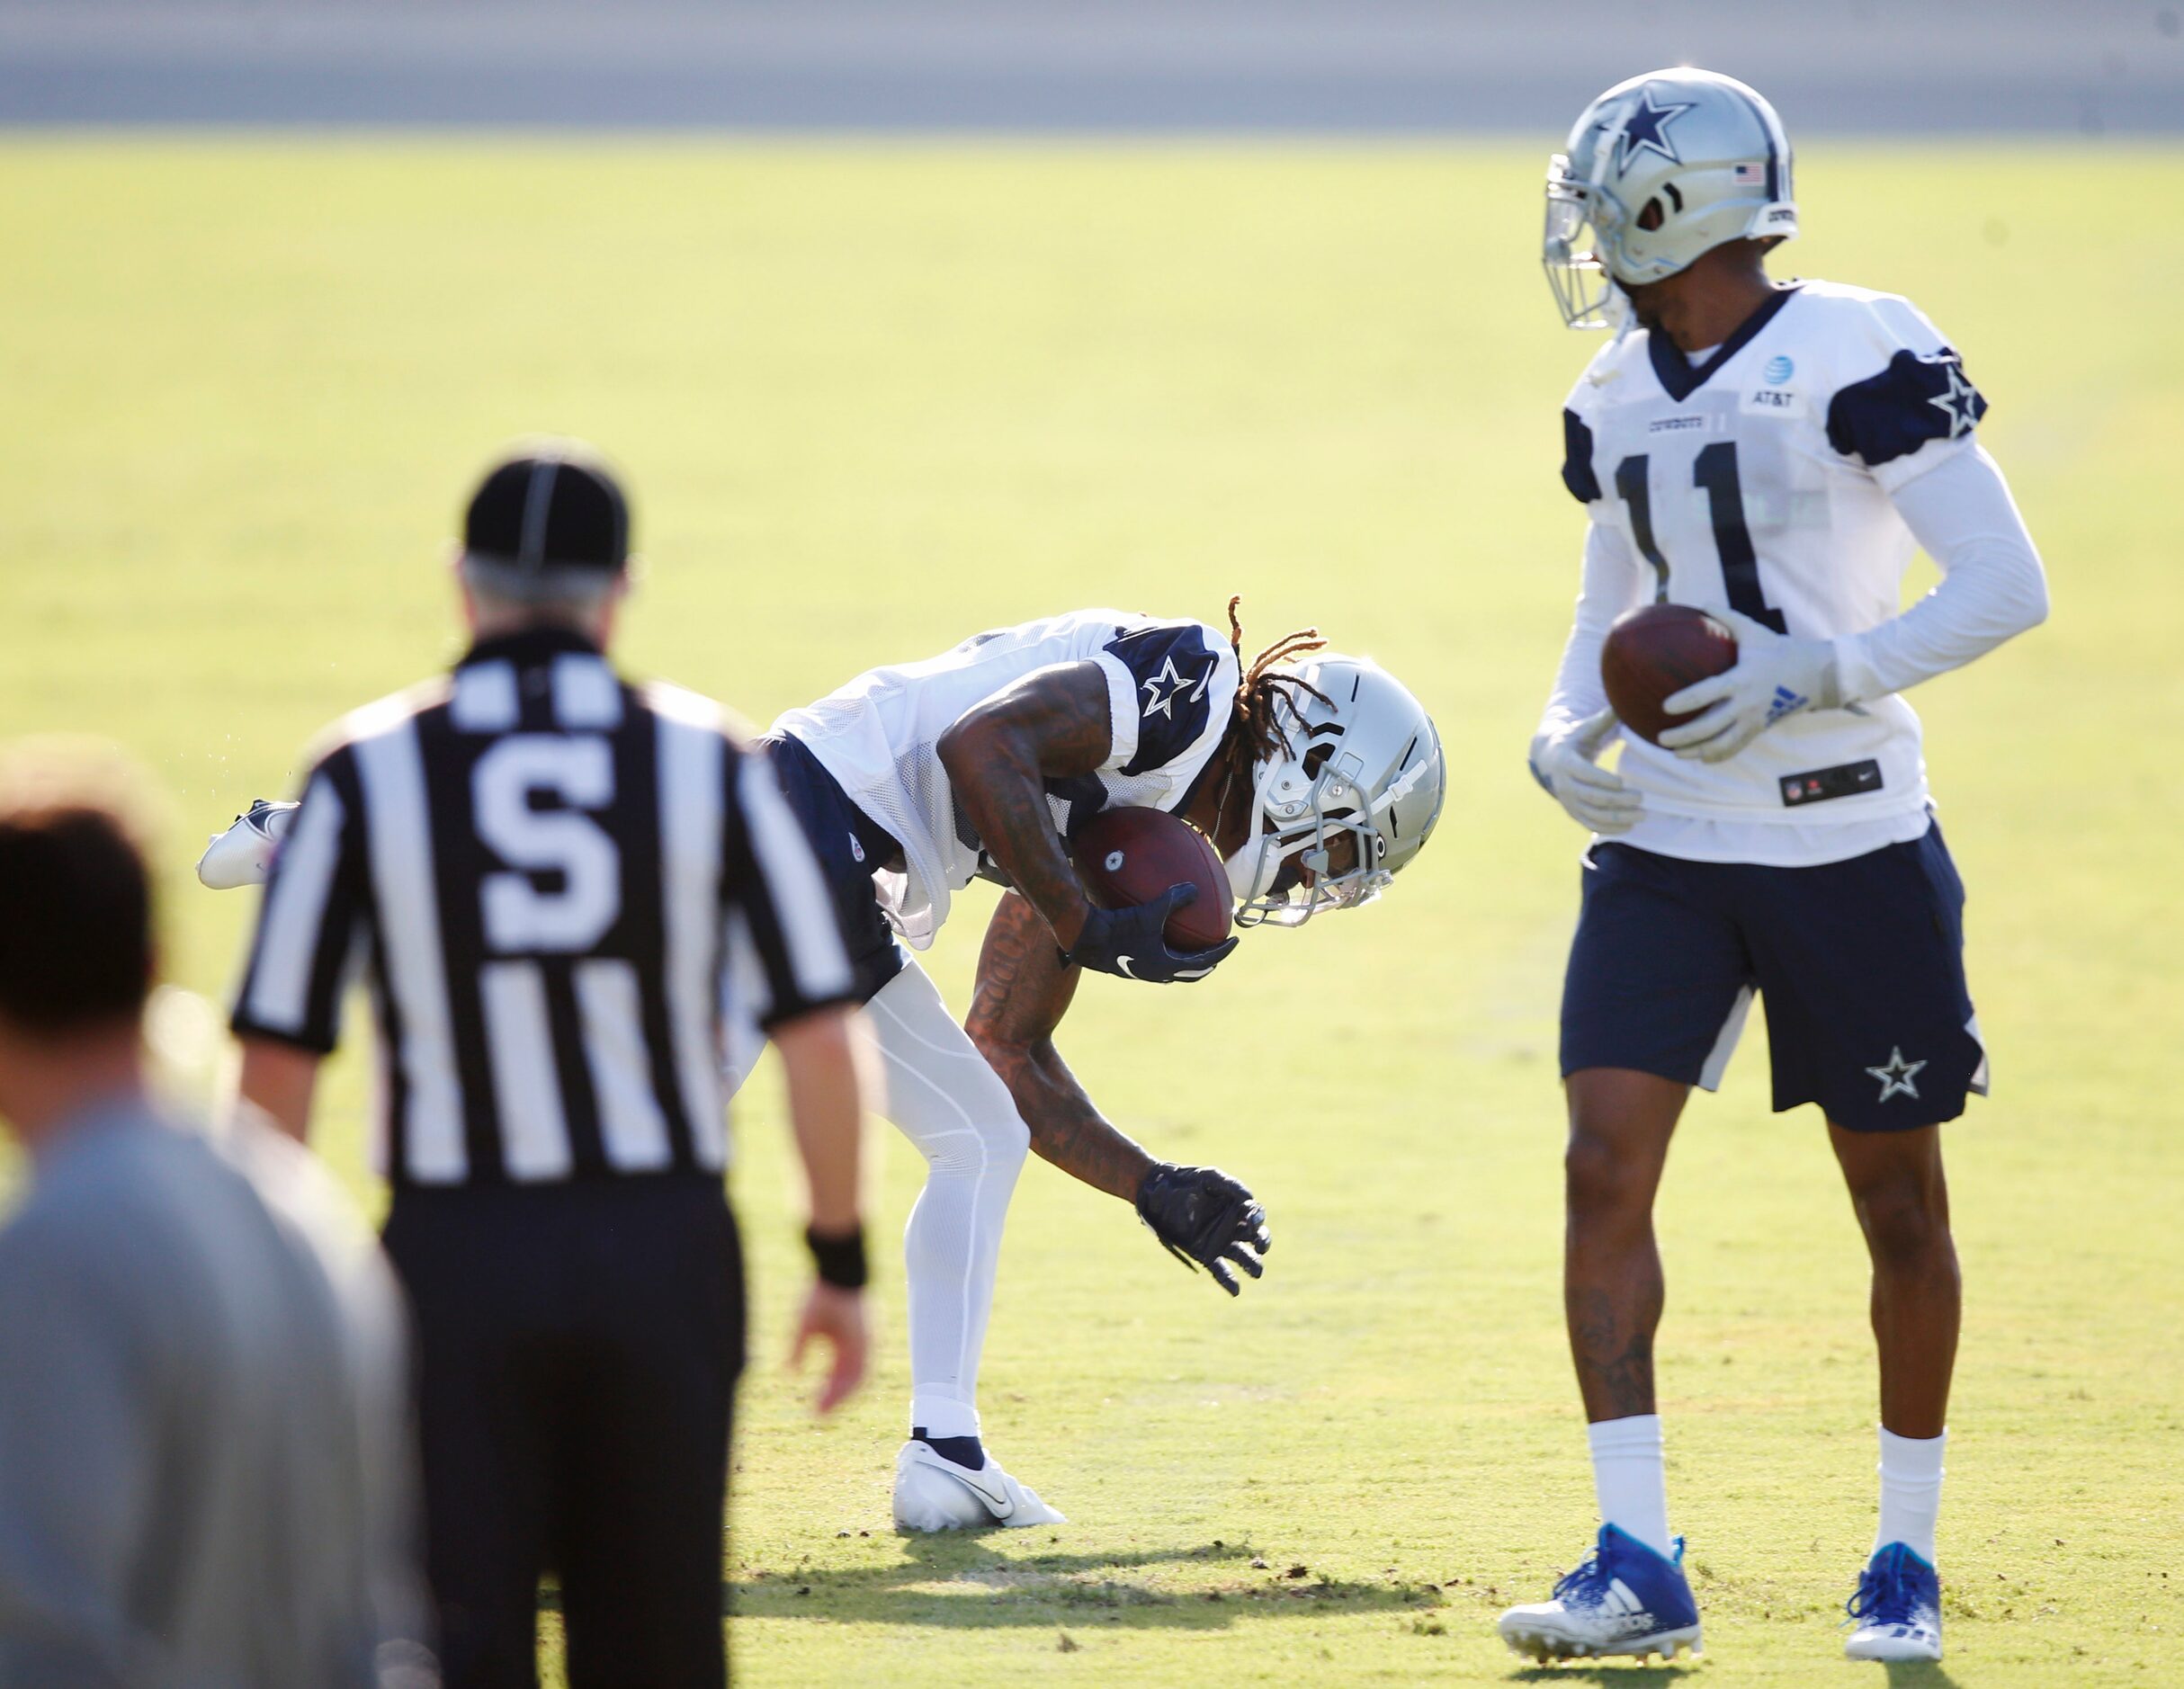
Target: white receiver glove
{"x":1565,"y":764}
{"x":1773,"y":677}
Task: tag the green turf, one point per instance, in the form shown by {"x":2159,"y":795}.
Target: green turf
{"x":875,"y":397}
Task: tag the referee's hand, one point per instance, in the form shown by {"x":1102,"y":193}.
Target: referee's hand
{"x":835,"y":1316}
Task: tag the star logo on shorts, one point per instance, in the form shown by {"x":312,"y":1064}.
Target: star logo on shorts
{"x":1897,"y":1076}
{"x":1157,"y":702}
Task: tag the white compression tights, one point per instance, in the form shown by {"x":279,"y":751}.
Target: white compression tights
{"x":946,"y":1100}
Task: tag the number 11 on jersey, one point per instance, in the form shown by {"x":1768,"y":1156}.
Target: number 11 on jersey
{"x":1715,"y":473}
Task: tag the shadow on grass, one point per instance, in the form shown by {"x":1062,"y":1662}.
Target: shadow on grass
{"x":1918,"y":1674}
{"x":971,"y":1581}
{"x":1902,"y":1675}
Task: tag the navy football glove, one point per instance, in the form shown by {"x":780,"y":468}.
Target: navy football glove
{"x":1130,"y":943}
{"x":1206,"y":1219}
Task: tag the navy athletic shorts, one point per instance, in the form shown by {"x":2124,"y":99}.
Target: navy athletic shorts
{"x":849,"y":846}
{"x":1860,"y":964}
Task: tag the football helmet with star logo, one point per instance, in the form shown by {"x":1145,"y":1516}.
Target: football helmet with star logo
{"x":1663,"y":167}
{"x":1347,"y":799}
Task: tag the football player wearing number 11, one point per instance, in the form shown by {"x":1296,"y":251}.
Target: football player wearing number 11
{"x":1773,"y":454}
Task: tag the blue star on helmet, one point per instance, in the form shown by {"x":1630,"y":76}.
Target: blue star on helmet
{"x":1959,"y":401}
{"x":1157,"y":702}
{"x":1646,"y":130}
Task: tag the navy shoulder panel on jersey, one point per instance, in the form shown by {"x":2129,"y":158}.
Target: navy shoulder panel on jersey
{"x":1576,"y":459}
{"x":1914,"y":401}
{"x":1174,"y":664}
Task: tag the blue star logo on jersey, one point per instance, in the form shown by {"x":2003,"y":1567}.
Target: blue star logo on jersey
{"x":1959,"y":401}
{"x":1646,"y":130}
{"x":1897,"y":1077}
{"x":1157,"y":702}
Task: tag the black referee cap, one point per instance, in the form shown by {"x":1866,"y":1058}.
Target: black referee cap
{"x":549,"y":509}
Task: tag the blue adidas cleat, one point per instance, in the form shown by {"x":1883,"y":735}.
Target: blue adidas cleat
{"x":1623,"y":1599}
{"x":1897,"y":1608}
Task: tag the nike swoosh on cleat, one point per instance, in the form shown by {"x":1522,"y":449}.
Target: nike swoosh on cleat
{"x":1122,"y":965}
{"x":998,"y":1500}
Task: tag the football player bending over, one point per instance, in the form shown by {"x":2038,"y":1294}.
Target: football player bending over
{"x":1317,"y":781}
{"x":1773,"y":455}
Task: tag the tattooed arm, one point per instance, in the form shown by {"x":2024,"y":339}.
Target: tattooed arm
{"x":999,"y":755}
{"x":1021,"y":993}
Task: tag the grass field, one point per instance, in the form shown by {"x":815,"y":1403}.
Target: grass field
{"x":872,"y":399}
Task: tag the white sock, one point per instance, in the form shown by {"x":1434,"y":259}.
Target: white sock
{"x":938,"y":1416}
{"x":1627,"y":1475}
{"x":950,"y":1103}
{"x":1911,"y":1492}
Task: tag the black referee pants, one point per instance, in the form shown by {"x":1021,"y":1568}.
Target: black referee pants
{"x":577,"y":1348}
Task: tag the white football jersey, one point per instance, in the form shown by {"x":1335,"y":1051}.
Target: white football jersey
{"x":1759,"y":479}
{"x":1172,"y":688}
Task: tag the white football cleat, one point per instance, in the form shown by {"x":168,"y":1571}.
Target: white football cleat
{"x":1897,"y":1609}
{"x":933,"y":1493}
{"x":1624,"y":1599}
{"x":243,"y":855}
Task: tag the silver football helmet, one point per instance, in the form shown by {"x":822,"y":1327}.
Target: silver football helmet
{"x":1365,"y":767}
{"x":1664,"y":166}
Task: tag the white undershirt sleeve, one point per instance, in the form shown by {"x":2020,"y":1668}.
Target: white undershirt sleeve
{"x":1992,"y":585}
{"x":1614,"y":580}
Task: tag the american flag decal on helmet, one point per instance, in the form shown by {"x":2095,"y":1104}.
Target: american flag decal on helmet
{"x":1749,"y":175}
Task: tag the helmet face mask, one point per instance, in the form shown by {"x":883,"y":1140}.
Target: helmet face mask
{"x":1284,"y":876}
{"x":1343,"y":802}
{"x":1583,"y":290}
{"x":1664,"y":168}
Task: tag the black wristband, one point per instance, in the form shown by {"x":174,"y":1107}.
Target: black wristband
{"x":840,"y":1260}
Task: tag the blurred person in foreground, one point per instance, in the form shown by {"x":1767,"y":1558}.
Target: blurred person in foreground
{"x":545,"y":872}
{"x":202,"y":1457}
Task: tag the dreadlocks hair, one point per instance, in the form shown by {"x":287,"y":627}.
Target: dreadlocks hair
{"x":1264,"y":693}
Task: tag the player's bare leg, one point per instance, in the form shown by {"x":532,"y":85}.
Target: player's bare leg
{"x":1629,"y":1597}
{"x":1902,"y":1198}
{"x":1620,"y":1124}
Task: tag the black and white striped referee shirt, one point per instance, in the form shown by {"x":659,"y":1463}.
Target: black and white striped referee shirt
{"x":545,"y":875}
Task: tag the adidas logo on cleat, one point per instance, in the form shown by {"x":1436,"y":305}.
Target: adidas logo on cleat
{"x":1597,"y":1611}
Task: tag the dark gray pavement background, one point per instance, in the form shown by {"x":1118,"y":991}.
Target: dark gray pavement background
{"x":1897,"y":66}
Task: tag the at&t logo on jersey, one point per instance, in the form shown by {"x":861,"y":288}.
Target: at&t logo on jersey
{"x":1775,"y":396}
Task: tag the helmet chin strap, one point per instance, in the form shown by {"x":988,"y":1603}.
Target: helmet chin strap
{"x":1616,"y":306}
{"x":1254,"y":865}
{"x":1242,"y":863}
{"x":1243,"y":871}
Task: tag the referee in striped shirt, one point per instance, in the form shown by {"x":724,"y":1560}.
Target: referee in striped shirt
{"x":545,"y":874}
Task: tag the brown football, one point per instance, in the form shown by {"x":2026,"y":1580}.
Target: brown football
{"x":1653,"y":653}
{"x":1129,"y":856}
